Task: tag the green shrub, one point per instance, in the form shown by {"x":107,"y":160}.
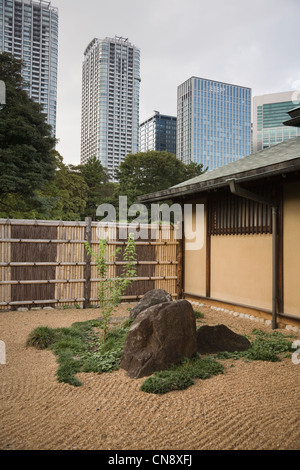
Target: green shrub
{"x":180,"y":377}
{"x":198,"y":314}
{"x":41,"y":337}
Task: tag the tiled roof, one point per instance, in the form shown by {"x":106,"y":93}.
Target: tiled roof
{"x":284,"y":151}
{"x":275,"y":158}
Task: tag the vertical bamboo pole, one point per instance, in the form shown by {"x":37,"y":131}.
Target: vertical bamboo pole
{"x":87,"y":259}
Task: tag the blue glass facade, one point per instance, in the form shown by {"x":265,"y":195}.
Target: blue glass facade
{"x":213,"y":122}
{"x":269,"y":113}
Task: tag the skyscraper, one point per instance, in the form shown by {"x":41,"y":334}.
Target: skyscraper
{"x":269,"y":113}
{"x":158,"y":133}
{"x":213,"y":122}
{"x":110,"y":101}
{"x":29,"y":31}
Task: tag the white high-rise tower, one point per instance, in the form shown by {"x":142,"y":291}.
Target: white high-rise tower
{"x":29,"y":31}
{"x":110,"y":101}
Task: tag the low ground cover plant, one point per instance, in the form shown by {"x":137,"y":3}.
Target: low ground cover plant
{"x":80,"y":348}
{"x":265,"y":346}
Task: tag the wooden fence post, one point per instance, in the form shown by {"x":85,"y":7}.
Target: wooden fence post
{"x":180,"y":266}
{"x":87,"y":260}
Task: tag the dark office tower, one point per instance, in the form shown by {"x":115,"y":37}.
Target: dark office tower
{"x":29,"y":31}
{"x":110,"y":101}
{"x":158,"y":133}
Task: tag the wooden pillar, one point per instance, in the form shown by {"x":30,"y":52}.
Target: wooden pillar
{"x":87,"y":260}
{"x":208,"y":250}
{"x":280,"y":297}
{"x":180,"y":265}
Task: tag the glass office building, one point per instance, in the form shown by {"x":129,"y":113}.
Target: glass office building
{"x":29,"y":31}
{"x":213,"y":122}
{"x":110,"y":101}
{"x":158,"y":133}
{"x":269,"y":113}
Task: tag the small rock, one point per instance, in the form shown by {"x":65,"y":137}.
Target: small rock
{"x":213,"y":339}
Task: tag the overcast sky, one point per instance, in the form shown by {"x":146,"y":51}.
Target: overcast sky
{"x":252,"y":43}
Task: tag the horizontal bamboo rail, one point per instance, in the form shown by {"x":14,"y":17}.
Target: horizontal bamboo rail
{"x":43,"y":223}
{"x":111,"y":263}
{"x":70,"y":281}
{"x":73,"y":300}
{"x":46,"y":241}
{"x":38,"y":302}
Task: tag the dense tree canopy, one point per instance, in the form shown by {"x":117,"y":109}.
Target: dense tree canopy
{"x":147,"y":172}
{"x":26,"y":143}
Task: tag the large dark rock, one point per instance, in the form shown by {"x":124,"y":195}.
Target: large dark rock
{"x":219,"y":338}
{"x":160,"y":336}
{"x":152,"y":297}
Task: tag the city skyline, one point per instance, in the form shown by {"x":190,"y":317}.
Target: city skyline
{"x":247,"y":49}
{"x":224,"y":41}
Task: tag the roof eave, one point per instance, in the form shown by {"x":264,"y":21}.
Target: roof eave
{"x":204,"y":186}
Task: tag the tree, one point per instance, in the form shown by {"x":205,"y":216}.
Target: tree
{"x":26,"y":160}
{"x":192,"y":170}
{"x":66,"y":195}
{"x":99,"y":189}
{"x":152,"y":171}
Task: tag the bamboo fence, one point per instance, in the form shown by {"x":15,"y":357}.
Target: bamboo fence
{"x":45,"y":263}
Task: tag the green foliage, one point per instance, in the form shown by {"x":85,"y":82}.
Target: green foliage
{"x":66,"y":193}
{"x":198,"y":314}
{"x":152,"y":171}
{"x":41,"y":337}
{"x":80,"y":349}
{"x":110,"y":290}
{"x":179,"y":377}
{"x":26,"y":143}
{"x":99,"y":189}
{"x":265,"y":347}
{"x":107,"y":356}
